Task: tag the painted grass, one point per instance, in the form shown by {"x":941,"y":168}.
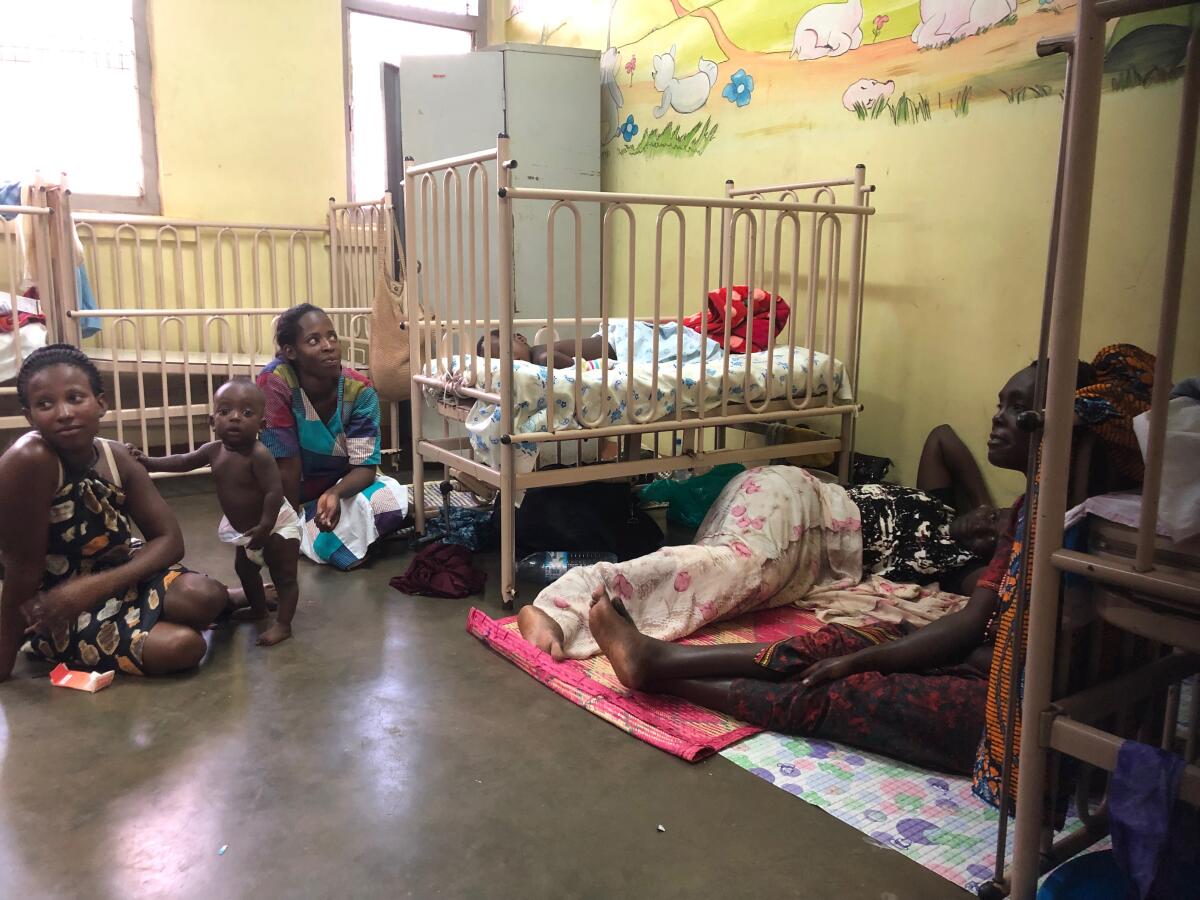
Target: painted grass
{"x":670,"y":141}
{"x":907,"y":111}
{"x":1028,"y":92}
{"x":904,"y":110}
{"x":1133,"y":78}
{"x":962,"y":103}
{"x":1010,"y":19}
{"x":868,"y":113}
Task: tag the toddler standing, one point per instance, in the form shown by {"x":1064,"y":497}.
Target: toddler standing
{"x":258,"y":520}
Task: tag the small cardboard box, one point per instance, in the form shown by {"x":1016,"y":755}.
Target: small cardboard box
{"x":91,"y":682}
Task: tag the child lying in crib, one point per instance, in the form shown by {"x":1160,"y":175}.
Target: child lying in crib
{"x":258,"y":520}
{"x":562,"y":353}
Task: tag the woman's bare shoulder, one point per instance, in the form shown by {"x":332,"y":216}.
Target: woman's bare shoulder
{"x":30,"y":452}
{"x":28,"y":468}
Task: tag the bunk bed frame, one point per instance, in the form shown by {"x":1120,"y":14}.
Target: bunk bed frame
{"x":1064,"y":724}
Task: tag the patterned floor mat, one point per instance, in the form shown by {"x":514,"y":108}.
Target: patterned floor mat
{"x":931,"y":818}
{"x":681,"y":728}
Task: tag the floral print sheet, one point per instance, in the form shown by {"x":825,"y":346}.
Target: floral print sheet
{"x":632,"y":389}
{"x":772,"y":535}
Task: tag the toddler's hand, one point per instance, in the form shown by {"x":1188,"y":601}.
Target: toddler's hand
{"x":136,"y":453}
{"x":258,"y":537}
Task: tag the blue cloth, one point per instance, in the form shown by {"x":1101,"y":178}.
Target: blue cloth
{"x":1189,"y":387}
{"x":1155,"y":838}
{"x":10,"y":195}
{"x":87,"y":300}
{"x":668,"y":343}
{"x":1093,"y":876}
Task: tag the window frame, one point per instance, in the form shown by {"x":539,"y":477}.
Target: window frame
{"x":476,"y":25}
{"x":149,"y":202}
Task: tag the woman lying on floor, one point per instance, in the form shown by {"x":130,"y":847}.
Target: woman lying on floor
{"x":921,"y":696}
{"x":322,"y":427}
{"x":779,"y":535}
{"x":70,"y":499}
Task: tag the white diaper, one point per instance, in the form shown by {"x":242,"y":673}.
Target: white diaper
{"x":287,"y":525}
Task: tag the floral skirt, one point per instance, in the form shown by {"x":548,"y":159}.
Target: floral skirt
{"x":111,"y":635}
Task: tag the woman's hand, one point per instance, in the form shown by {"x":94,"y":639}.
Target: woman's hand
{"x":329,"y":511}
{"x":50,"y":611}
{"x":831,"y":669}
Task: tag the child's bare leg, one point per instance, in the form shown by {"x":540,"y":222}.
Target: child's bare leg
{"x":283,"y":558}
{"x":249,"y":575}
{"x":238,"y":599}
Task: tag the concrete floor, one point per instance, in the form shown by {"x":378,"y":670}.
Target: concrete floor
{"x":384,"y":753}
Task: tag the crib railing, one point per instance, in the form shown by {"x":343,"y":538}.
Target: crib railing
{"x":25,"y":236}
{"x":161,"y":398}
{"x":182,"y":305}
{"x":811,"y":251}
{"x":359,"y":235}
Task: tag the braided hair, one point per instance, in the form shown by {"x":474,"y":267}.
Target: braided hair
{"x":56,"y":355}
{"x":287,"y":326}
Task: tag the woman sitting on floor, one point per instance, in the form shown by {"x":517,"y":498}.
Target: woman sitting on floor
{"x":322,"y":427}
{"x":779,"y":535}
{"x":885,"y":688}
{"x":70,"y":499}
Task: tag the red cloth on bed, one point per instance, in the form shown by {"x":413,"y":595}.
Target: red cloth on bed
{"x":757,"y":314}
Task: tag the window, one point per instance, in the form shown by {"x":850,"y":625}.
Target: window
{"x":75,"y":75}
{"x":379,"y":32}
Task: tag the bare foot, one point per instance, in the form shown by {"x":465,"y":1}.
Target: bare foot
{"x":541,"y":631}
{"x":245,"y":614}
{"x":628,"y":650}
{"x":237,"y":597}
{"x":277,"y":633}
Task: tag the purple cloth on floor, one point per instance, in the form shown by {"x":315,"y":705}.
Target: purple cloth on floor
{"x":1156,"y":840}
{"x":441,"y":570}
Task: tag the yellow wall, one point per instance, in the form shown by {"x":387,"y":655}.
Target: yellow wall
{"x":958,"y":248}
{"x":248,"y":104}
{"x":248,"y":108}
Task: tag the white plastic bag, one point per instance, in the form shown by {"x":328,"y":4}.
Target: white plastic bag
{"x":1179,"y":499}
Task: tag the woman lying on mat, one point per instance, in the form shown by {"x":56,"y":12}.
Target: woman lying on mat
{"x":73,"y":585}
{"x":779,"y":534}
{"x":922,"y":696}
{"x":322,"y":426}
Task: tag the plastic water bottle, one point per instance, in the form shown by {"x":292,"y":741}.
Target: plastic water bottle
{"x":549,"y":566}
{"x":680,"y":474}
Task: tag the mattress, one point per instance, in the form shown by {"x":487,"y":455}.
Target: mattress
{"x":680,"y":386}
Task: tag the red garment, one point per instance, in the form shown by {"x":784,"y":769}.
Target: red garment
{"x":23,"y":319}
{"x":441,"y":570}
{"x":759,"y":314}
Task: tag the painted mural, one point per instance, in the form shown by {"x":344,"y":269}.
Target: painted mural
{"x":677,"y":77}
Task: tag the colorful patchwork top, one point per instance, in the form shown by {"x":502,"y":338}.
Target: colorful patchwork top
{"x":327,"y":449}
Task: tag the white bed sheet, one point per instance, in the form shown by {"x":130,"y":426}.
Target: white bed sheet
{"x":768,"y":380}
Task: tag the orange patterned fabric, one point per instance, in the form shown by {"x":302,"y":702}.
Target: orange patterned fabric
{"x":1121,"y":391}
{"x":1124,"y":379}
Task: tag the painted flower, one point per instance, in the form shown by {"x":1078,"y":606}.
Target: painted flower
{"x":630,"y":66}
{"x":741,"y":549}
{"x":683,"y":581}
{"x":739,"y":89}
{"x":629,"y":129}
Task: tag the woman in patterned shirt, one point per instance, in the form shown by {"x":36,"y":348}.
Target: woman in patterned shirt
{"x":322,"y":427}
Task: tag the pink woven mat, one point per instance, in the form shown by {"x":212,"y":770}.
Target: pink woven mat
{"x":681,"y":728}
